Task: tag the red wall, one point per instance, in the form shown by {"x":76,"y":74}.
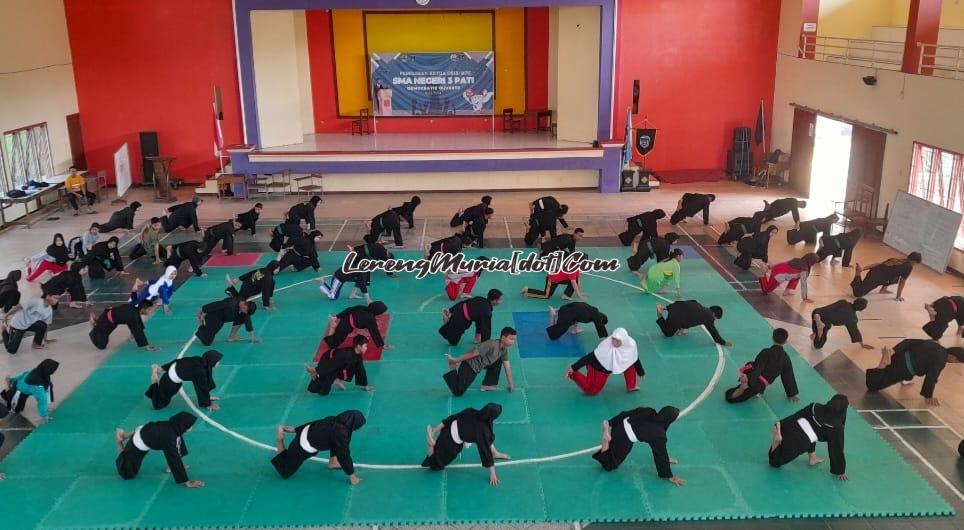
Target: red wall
{"x":704,"y":66}
{"x":537,"y":57}
{"x":151,"y":66}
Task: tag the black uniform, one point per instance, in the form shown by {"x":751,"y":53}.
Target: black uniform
{"x":578,"y":313}
{"x":826,"y":422}
{"x":645,"y":223}
{"x":340,"y":363}
{"x":475,"y":427}
{"x":839,"y":313}
{"x":331,"y":434}
{"x":648,"y":426}
{"x":387,"y":223}
{"x":68,"y":281}
{"x":358,"y":317}
{"x":223,"y":233}
{"x":889,"y":272}
{"x":217,"y":314}
{"x":181,"y":215}
{"x":740,"y":227}
{"x":304,"y":211}
{"x":165,"y":436}
{"x":781,"y":207}
{"x":449,"y":245}
{"x":809,"y":229}
{"x":283,"y":231}
{"x":187,"y":251}
{"x":771,"y":363}
{"x":461,"y":317}
{"x":688,"y":314}
{"x":912,"y":357}
{"x":112,"y":317}
{"x":656,"y":247}
{"x":123,"y":218}
{"x":839,"y":245}
{"x":692,"y":204}
{"x":474,"y":233}
{"x":948,"y":308}
{"x":466,"y":215}
{"x":563,"y":242}
{"x":545,"y":213}
{"x":196,"y":370}
{"x":753,"y":247}
{"x":249,"y":220}
{"x":259,"y":281}
{"x":9,"y":292}
{"x":301,"y":254}
{"x":406,"y":211}
{"x":101,"y":259}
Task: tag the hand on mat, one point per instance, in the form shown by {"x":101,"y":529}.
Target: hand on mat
{"x":673,"y":461}
{"x":933,"y":401}
{"x":151,"y":347}
{"x":354,"y":479}
{"x":511,"y":387}
{"x":794,"y":398}
{"x":388,"y":347}
{"x":676,"y":480}
{"x":214,"y":407}
{"x":167,"y":311}
{"x":369,"y":388}
{"x":194,"y":484}
{"x":843,"y":476}
{"x":728,"y":344}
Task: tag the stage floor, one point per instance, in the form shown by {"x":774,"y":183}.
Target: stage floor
{"x":388,"y":142}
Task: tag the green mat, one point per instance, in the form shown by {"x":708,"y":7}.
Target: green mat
{"x":63,"y":474}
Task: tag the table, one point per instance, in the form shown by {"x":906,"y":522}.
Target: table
{"x":237,"y":183}
{"x":56,"y":186}
{"x":540,"y":115}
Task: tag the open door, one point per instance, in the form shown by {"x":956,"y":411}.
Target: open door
{"x":866,"y":166}
{"x":801,"y":150}
{"x":76,"y":138}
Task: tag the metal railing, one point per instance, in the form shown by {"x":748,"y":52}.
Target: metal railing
{"x":935,"y":60}
{"x":941,"y":61}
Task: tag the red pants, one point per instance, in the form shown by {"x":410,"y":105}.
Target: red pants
{"x":453,"y":289}
{"x":782,"y":272}
{"x":593,"y":382}
{"x":44,"y":267}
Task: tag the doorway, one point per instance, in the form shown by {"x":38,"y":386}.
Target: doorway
{"x":831,"y":164}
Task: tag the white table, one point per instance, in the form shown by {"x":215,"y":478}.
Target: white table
{"x":56,"y":187}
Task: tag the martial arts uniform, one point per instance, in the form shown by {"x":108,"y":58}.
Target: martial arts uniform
{"x":545,"y":213}
{"x":165,"y":436}
{"x":690,"y":205}
{"x":474,"y":234}
{"x":355,"y":318}
{"x":809,"y":229}
{"x":577,"y":313}
{"x":115,"y":316}
{"x":217,"y":314}
{"x":332,"y":286}
{"x":688,"y":314}
{"x":470,"y":426}
{"x":948,"y":308}
{"x":149,"y":245}
{"x":492,"y":355}
{"x":101,"y":259}
{"x":36,"y":383}
{"x":466,"y":215}
{"x":304,"y":211}
{"x":608,"y":359}
{"x":301,"y":254}
{"x":839,"y":313}
{"x":771,"y":363}
{"x":68,"y":281}
{"x":641,"y":424}
{"x":79,"y":246}
{"x":781,"y":207}
{"x":461,"y":282}
{"x":34,"y":316}
{"x":661,"y":274}
{"x":912,"y":357}
{"x":753,"y":247}
{"x":449,"y":245}
{"x":196,"y":370}
{"x":187,"y":251}
{"x":387,"y":223}
{"x":406,"y":211}
{"x":655,"y":247}
{"x":461,"y":317}
{"x":645,"y":223}
{"x":249,"y":220}
{"x":372,"y":250}
{"x":259,"y":281}
{"x":887,"y":273}
{"x":563,"y":242}
{"x":739,"y":227}
{"x":813,"y":423}
{"x":182,"y":215}
{"x":223,"y":233}
{"x":332,"y":434}
{"x":282,"y":232}
{"x":123,"y":218}
{"x":552,"y":282}
{"x":9,"y":292}
{"x":341,"y":364}
{"x":839,"y":245}
{"x":794,"y":272}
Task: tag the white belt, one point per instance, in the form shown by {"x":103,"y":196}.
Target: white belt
{"x":138,"y":441}
{"x":455,"y":434}
{"x":807,"y":429}
{"x":540,"y":204}
{"x":629,"y":431}
{"x":303,"y":441}
{"x":171,"y":373}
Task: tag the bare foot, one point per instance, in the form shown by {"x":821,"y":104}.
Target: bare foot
{"x":777,"y":436}
{"x":634,"y":389}
{"x":524,"y":290}
{"x":858,"y":270}
{"x":92,"y":319}
{"x":553,"y":313}
{"x":119,"y":435}
{"x":576,"y":329}
{"x":605,"y":428}
{"x":279,"y":434}
{"x":814,"y":459}
{"x":930,"y":311}
{"x":155,"y":373}
{"x":659,"y":310}
{"x":445,"y":315}
{"x":488,"y":388}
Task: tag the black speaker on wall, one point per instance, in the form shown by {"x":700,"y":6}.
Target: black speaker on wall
{"x":149,"y":147}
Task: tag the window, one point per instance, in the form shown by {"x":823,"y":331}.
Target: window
{"x":938,"y":176}
{"x":26,"y":156}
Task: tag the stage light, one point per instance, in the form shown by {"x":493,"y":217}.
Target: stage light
{"x":422,"y":3}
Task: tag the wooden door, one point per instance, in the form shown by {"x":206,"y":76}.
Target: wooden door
{"x":801,"y":150}
{"x":76,"y":138}
{"x":866,"y":165}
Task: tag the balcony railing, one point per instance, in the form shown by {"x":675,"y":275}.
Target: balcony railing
{"x":886,"y":55}
{"x":941,"y":61}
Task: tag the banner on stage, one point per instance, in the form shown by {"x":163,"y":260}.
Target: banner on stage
{"x":645,"y":141}
{"x":433,"y":84}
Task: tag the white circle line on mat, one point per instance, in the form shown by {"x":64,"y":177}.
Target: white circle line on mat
{"x":720,"y":363}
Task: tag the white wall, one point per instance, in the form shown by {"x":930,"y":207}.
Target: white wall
{"x":276,"y":77}
{"x":33,"y":36}
{"x":554,"y":59}
{"x":577,"y":73}
{"x":304,"y":76}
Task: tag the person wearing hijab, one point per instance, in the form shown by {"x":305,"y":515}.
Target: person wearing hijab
{"x":182,"y":215}
{"x":754,"y":247}
{"x":734,"y":229}
{"x":781,"y":207}
{"x":103,"y":258}
{"x":371,"y":250}
{"x":883,"y":275}
{"x":354,"y":318}
{"x":285,"y":230}
{"x":458,"y":318}
{"x":157,"y":290}
{"x":35,"y":315}
{"x":470,"y":426}
{"x":256,"y":282}
{"x":249,"y":219}
{"x":213,"y":316}
{"x":36,"y":383}
{"x":339,"y":365}
{"x":662,"y":273}
{"x":331,"y":285}
{"x":770,"y":364}
{"x":191,"y":251}
{"x":123,"y":218}
{"x":449,"y":245}
{"x":809,"y":230}
{"x":9,"y":291}
{"x":940,"y":312}
{"x":686,"y":314}
{"x":222,"y":233}
{"x":839,"y":246}
{"x":166,"y":380}
{"x":691,"y":204}
{"x":573,"y":314}
{"x":794,"y":272}
{"x":615,"y":354}
{"x":910,"y":358}
{"x":799,"y":433}
{"x":465,"y":216}
{"x":385,"y":224}
{"x":165,"y":436}
{"x":300,"y":253}
{"x":69,"y":282}
{"x":53,"y":260}
{"x":406,"y":211}
{"x":304,"y":211}
{"x":491,"y":356}
{"x":839,"y":313}
{"x":112,"y":317}
{"x":642,"y":424}
{"x":644,"y":224}
{"x":657,"y":248}
{"x":332,"y":434}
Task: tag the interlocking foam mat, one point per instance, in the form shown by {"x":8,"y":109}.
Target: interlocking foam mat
{"x":63,"y":476}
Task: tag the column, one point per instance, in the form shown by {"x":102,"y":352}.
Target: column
{"x":923,"y":26}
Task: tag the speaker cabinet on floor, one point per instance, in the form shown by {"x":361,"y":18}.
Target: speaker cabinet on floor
{"x":149,"y":147}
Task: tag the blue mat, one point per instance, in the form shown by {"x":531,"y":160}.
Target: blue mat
{"x":534,"y":343}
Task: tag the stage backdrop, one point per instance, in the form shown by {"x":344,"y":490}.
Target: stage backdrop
{"x":433,"y":84}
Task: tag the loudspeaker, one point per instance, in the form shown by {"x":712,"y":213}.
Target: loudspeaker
{"x":636,"y":96}
{"x":627,"y":180}
{"x":149,"y":147}
{"x":741,"y":134}
{"x":644,"y":176}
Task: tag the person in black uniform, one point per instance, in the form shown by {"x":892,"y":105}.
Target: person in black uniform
{"x":781,"y":207}
{"x":470,"y":426}
{"x":332,"y":434}
{"x":458,"y":318}
{"x":474,"y":233}
{"x":644,"y":249}
{"x":105,"y":324}
{"x":304,"y":211}
{"x":563,"y":242}
{"x":883,"y":275}
{"x":182,"y":215}
{"x":941,"y":312}
{"x":9,"y":291}
{"x":406,"y":211}
{"x":740,"y":227}
{"x":909,"y":358}
{"x":641,"y":424}
{"x":70,"y":281}
{"x":840,"y":245}
{"x":839,"y":313}
{"x":249,"y":219}
{"x":103,"y":258}
{"x":573,"y":314}
{"x":771,"y":363}
{"x":449,"y":245}
{"x":544,"y":213}
{"x":354,"y":318}
{"x":338,"y":366}
{"x":257,"y":282}
{"x":213,"y":316}
{"x":809,"y":229}
{"x":799,"y":433}
{"x":644,"y":223}
{"x":462,"y":217}
{"x":754,"y":247}
{"x":688,"y":314}
{"x":300,"y":253}
{"x":165,"y":436}
{"x":194,"y":252}
{"x":281,"y":233}
{"x":387,"y":223}
{"x":167,"y":380}
{"x":123,"y":218}
{"x":222,"y":233}
{"x":691,"y":204}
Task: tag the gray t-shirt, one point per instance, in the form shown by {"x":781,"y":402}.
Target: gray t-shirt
{"x":32,"y":311}
{"x":490,"y":352}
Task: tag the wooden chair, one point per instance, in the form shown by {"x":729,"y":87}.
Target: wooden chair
{"x":510,"y":122}
{"x":362,"y":123}
{"x":312,"y":184}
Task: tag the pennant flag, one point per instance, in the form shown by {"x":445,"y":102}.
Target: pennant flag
{"x":645,"y":141}
{"x":218,"y":137}
{"x":760,"y":132}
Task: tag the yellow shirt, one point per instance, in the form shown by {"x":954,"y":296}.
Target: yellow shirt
{"x":74,"y":183}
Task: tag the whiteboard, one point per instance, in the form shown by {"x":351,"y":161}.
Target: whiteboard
{"x":917,"y":225}
{"x":122,"y":170}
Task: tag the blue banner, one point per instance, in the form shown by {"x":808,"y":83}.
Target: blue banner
{"x":433,"y":84}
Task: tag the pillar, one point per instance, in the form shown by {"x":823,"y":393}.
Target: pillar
{"x":809,"y":13}
{"x":923,"y":26}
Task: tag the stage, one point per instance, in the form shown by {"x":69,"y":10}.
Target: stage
{"x":435,"y":161}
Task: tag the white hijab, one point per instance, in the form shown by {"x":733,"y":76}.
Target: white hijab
{"x":165,"y":280}
{"x":617,"y":359}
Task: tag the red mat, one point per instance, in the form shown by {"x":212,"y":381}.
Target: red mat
{"x":683,"y":176}
{"x":239,"y":259}
{"x":374,"y":353}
